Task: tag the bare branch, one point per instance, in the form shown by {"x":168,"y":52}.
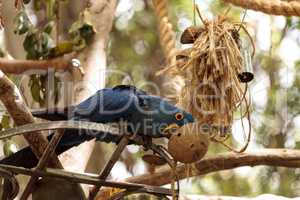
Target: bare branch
{"x":271,"y":157}
{"x":20,"y":66}
{"x":42,"y":163}
{"x":12,"y":100}
{"x":83,"y":178}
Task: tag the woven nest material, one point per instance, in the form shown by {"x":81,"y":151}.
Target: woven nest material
{"x":211,"y":69}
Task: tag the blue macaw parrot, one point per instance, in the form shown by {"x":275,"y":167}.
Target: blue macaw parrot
{"x":143,"y":114}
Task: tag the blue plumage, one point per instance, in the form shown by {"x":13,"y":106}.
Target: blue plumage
{"x":142,"y":114}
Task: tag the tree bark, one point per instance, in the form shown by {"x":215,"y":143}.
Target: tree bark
{"x":13,"y":102}
{"x":271,"y":157}
{"x":93,"y":61}
{"x":20,"y":66}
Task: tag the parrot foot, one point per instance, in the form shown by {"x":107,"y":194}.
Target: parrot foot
{"x":147,"y":142}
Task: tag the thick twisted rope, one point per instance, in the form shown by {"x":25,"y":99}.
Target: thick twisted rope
{"x":273,"y":7}
{"x":166,"y":34}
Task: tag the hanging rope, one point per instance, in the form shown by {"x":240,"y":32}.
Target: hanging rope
{"x":273,"y":7}
{"x":166,"y":34}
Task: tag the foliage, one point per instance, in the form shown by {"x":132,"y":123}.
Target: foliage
{"x":39,"y":42}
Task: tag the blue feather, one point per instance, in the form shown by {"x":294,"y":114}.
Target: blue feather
{"x":144,"y":114}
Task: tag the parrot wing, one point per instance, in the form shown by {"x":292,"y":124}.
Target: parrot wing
{"x":110,"y":105}
{"x":106,"y":106}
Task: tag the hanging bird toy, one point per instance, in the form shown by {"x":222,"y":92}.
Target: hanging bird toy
{"x":216,"y":70}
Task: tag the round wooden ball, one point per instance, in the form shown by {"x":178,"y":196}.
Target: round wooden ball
{"x":188,"y":144}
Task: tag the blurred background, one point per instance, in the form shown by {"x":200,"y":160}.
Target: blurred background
{"x":275,"y":91}
{"x":134,"y":49}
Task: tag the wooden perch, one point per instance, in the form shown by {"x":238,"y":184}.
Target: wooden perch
{"x":271,"y":157}
{"x":20,"y":66}
{"x":12,"y":100}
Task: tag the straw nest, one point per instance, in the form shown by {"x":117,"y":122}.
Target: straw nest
{"x":211,"y":69}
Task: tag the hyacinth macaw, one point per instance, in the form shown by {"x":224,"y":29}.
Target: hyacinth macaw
{"x":145,"y":115}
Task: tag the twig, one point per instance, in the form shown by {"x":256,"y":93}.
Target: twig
{"x":10,"y":186}
{"x":42,"y":163}
{"x":200,"y":16}
{"x":20,"y":66}
{"x":1,"y":18}
{"x":85,"y":179}
{"x":271,"y":157}
{"x":108,"y":167}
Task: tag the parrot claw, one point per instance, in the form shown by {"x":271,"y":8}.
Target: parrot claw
{"x":147,"y":142}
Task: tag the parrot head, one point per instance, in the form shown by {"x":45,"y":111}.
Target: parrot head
{"x":160,"y":117}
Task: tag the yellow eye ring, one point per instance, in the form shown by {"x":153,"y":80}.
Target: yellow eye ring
{"x":179,"y":116}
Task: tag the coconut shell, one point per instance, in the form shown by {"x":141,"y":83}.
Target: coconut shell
{"x":188,"y":144}
{"x":190,"y":34}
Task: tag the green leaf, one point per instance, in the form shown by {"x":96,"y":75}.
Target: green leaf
{"x":35,"y":88}
{"x":5,"y":122}
{"x":75,"y":27}
{"x":46,"y":44}
{"x":57,"y":87}
{"x":50,"y":8}
{"x":30,"y":45}
{"x":297,"y":145}
{"x":61,"y":49}
{"x":289,"y":22}
{"x":81,"y":33}
{"x":37,"y":5}
{"x":22,"y":23}
{"x":37,"y":45}
{"x":49,"y":27}
{"x":298,"y":24}
{"x":26,"y":1}
{"x":2,"y":53}
{"x":79,"y":44}
{"x":87,"y":32}
{"x":9,"y":148}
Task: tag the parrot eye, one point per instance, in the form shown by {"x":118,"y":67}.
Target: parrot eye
{"x":179,"y":116}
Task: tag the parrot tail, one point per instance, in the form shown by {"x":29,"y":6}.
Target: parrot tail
{"x":23,"y":158}
{"x":26,"y":158}
{"x":55,"y":114}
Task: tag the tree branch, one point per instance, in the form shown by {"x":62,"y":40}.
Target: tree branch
{"x":271,"y":157}
{"x":260,"y":197}
{"x":12,"y":100}
{"x":20,"y":66}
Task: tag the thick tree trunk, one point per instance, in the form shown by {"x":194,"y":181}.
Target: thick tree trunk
{"x":93,"y":60}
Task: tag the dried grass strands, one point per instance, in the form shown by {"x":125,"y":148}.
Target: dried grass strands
{"x":213,"y":91}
